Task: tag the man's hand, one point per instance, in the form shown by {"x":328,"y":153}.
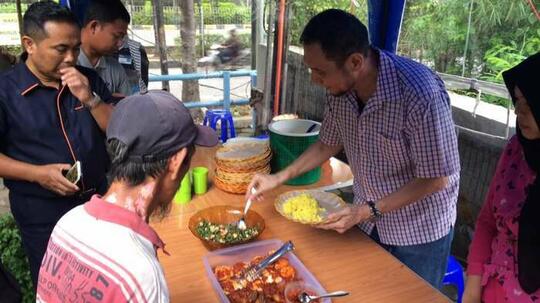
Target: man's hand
{"x":78,"y":84}
{"x":263,"y":183}
{"x":346,"y":218}
{"x":50,"y":177}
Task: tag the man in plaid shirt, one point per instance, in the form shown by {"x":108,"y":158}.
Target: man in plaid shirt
{"x":392,"y":116}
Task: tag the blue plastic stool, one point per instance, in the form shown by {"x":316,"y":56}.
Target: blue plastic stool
{"x":263,"y":136}
{"x":454,"y":276}
{"x":226,"y":120}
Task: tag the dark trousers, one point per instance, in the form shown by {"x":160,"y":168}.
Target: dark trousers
{"x":428,"y":260}
{"x":36,"y":218}
{"x":35,"y":238}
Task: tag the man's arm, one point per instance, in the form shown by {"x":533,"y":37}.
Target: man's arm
{"x":80,"y":87}
{"x":48,"y":176}
{"x":413,"y":191}
{"x":314,"y":156}
{"x":102,"y":113}
{"x":433,"y":152}
{"x":328,"y":145}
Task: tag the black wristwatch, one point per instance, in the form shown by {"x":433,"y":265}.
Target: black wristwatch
{"x":376,"y":214}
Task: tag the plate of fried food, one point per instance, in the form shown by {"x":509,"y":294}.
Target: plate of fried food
{"x":308,"y":206}
{"x":225,"y":268}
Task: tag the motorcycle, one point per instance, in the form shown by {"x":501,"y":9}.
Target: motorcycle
{"x":215,"y":57}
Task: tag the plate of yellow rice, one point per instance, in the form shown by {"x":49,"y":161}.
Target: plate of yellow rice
{"x":308,"y":206}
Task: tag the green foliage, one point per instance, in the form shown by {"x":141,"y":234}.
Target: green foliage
{"x":303,"y":10}
{"x":11,"y":8}
{"x":502,"y":34}
{"x":14,"y":50}
{"x":502,"y":57}
{"x":496,"y":100}
{"x":13,"y":256}
{"x":223,"y":13}
{"x":145,"y":16}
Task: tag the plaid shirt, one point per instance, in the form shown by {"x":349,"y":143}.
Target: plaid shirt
{"x":404,"y":131}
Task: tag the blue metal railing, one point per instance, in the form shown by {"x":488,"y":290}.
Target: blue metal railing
{"x":226,"y":102}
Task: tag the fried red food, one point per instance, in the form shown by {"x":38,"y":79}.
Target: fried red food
{"x":268,"y":287}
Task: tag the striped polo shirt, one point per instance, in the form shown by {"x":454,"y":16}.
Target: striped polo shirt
{"x":405,"y":131}
{"x":101,"y":252}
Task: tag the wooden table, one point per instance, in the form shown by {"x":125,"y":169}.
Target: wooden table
{"x":351,"y":261}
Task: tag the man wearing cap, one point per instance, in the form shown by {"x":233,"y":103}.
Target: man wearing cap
{"x":105,"y":250}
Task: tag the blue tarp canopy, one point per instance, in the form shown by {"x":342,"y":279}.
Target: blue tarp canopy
{"x":384,"y":22}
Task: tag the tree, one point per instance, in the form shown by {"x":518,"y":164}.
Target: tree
{"x":159,"y":31}
{"x":303,"y":10}
{"x":190,"y":89}
{"x":20,"y":18}
{"x":434,"y":32}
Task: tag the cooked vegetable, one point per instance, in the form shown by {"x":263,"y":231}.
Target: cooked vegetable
{"x":225,"y":233}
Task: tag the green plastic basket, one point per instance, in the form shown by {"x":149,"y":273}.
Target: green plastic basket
{"x":289,"y":139}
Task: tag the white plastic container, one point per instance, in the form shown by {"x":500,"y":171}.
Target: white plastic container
{"x":246,"y":252}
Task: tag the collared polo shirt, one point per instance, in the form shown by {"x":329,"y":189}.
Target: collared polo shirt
{"x":404,"y":131}
{"x":110,"y":71}
{"x":43,"y":125}
{"x":101,"y":252}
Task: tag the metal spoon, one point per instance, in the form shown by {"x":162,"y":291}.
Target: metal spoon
{"x":242,"y":222}
{"x":305,"y":298}
{"x":254,"y":271}
{"x":312,"y":127}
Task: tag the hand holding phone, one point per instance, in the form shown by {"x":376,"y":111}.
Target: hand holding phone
{"x":74,"y":173}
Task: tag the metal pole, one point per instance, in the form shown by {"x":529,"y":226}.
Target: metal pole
{"x":161,"y":44}
{"x":227,"y":90}
{"x":201,"y":26}
{"x":254,"y":34}
{"x":467,"y":39}
{"x":508,"y":110}
{"x":253,"y":80}
{"x":267,"y":88}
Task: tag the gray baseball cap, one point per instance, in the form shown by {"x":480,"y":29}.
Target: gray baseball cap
{"x":155,"y":125}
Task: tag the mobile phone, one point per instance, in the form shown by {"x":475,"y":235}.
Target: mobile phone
{"x":74,"y":173}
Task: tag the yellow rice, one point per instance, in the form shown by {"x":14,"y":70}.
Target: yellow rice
{"x":303,"y":208}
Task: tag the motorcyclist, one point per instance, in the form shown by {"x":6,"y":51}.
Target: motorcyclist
{"x":231,"y":48}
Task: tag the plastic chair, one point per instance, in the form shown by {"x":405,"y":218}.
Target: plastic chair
{"x":226,"y":120}
{"x":454,"y":276}
{"x":263,"y":136}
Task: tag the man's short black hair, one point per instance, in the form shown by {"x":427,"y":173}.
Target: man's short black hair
{"x":134,"y":172}
{"x":40,"y":13}
{"x":339,"y":34}
{"x":105,"y":11}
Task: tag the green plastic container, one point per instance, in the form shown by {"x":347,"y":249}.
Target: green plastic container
{"x":289,"y":139}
